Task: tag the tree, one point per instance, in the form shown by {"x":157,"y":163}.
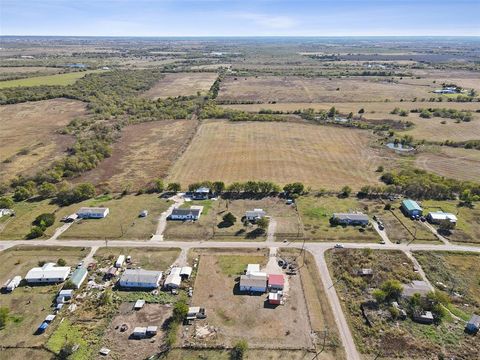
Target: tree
{"x":262,"y":223}
{"x":6,"y":203}
{"x":61,"y":262}
{"x":21,"y":193}
{"x":47,"y":190}
{"x":44,"y":220}
{"x":346,"y":191}
{"x":332,"y":112}
{"x":392,"y":289}
{"x":380,"y":168}
{"x":158,"y":186}
{"x":106,"y":298}
{"x":218,"y":187}
{"x":4,"y":312}
{"x":229,"y":219}
{"x":294,"y":188}
{"x":180,"y":310}
{"x":174,"y":187}
{"x":239,"y":350}
{"x":361,"y":111}
{"x":379,"y":295}
{"x":35,"y":232}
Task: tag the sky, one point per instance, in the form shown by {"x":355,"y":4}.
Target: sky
{"x":240,"y":17}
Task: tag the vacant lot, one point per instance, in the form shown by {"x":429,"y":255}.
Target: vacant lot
{"x":388,"y":337}
{"x":144,"y":152}
{"x":468,"y":224}
{"x":30,"y":305}
{"x":57,"y":79}
{"x":28,"y":134}
{"x":438,"y":129}
{"x":285,"y":216}
{"x":302,"y":89}
{"x":122,"y":222}
{"x":181,"y":84}
{"x":122,"y":345}
{"x":450,"y":162}
{"x":146,"y":258}
{"x":18,"y":226}
{"x":238,"y":316}
{"x":318,"y":156}
{"x":315,"y":213}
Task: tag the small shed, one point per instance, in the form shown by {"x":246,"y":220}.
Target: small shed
{"x":152,"y":330}
{"x":139,"y":304}
{"x":78,"y":277}
{"x":365,"y":272}
{"x":473,"y":325}
{"x":139,"y":332}
{"x":185,"y":272}
{"x":276,"y":282}
{"x":67,"y":294}
{"x":424,"y":317}
{"x":120,"y":261}
{"x":275,"y":298}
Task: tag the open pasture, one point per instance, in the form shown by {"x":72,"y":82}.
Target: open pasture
{"x":56,"y":79}
{"x":181,"y":84}
{"x":144,"y":152}
{"x":28,"y":134}
{"x":457,"y":163}
{"x":318,"y":156}
{"x":302,"y":89}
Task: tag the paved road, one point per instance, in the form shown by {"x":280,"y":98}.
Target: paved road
{"x":317,"y":249}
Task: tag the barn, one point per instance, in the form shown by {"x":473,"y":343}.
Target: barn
{"x":276,"y":282}
{"x":411,"y":208}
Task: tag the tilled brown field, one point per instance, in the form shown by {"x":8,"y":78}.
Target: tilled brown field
{"x":144,"y":152}
{"x":28,"y":134}
{"x":181,"y":84}
{"x":318,"y":156}
{"x":454,"y":163}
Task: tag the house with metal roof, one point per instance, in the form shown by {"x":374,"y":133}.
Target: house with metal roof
{"x":202,"y":193}
{"x":439,"y":217}
{"x":254,"y":282}
{"x":139,"y":278}
{"x":350,"y":219}
{"x":48,"y":273}
{"x":173,"y":279}
{"x":411,"y":208}
{"x":276,"y":282}
{"x":93,"y":212}
{"x":78,"y":277}
{"x":255,"y":214}
{"x":186,"y":214}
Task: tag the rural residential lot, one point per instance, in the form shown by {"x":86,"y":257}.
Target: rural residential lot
{"x":220,"y":198}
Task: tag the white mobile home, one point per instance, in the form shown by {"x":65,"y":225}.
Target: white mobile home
{"x":93,"y":212}
{"x":48,"y":273}
{"x":120,"y":261}
{"x":13,"y":284}
{"x":255,"y":215}
{"x":139,"y":278}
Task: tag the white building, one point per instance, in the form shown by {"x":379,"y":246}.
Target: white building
{"x":48,"y":273}
{"x":186,"y":214}
{"x":93,"y":212}
{"x":185,"y":272}
{"x":13,"y":284}
{"x":173,"y":279}
{"x":252,"y":268}
{"x":438,"y":217}
{"x":255,"y":215}
{"x":139,"y":278}
{"x":120,"y":261}
{"x":254,"y":282}
{"x":5,"y":212}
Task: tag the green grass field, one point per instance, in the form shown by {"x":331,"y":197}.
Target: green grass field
{"x":57,"y":79}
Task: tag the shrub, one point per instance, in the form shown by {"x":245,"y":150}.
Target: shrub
{"x":35,"y":232}
{"x":44,"y":220}
{"x":21,"y":193}
{"x":229,"y":219}
{"x":239,"y":350}
{"x":61,"y":262}
{"x":6,"y":203}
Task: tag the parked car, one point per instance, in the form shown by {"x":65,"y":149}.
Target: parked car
{"x":338,"y":246}
{"x":381,"y":227}
{"x":80,"y":264}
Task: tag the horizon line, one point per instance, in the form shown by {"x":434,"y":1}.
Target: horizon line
{"x":245,"y":36}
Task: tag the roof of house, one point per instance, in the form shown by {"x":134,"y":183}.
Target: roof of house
{"x":440,"y":215}
{"x":184,"y":212}
{"x":186,"y":270}
{"x":202,"y":189}
{"x":175,"y":270}
{"x":78,"y":276}
{"x":351,"y":216}
{"x":475,"y":320}
{"x":92,"y":210}
{"x":173,"y":279}
{"x":416,"y":287}
{"x":255,"y":212}
{"x":48,"y":271}
{"x":193,"y":309}
{"x":252,"y":268}
{"x":276,"y":279}
{"x":253,"y":281}
{"x":141,"y":276}
{"x":410,"y":205}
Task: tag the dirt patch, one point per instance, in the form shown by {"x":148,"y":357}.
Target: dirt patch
{"x":318,"y":156}
{"x":181,"y":84}
{"x":144,"y":152}
{"x":236,"y":316}
{"x":120,"y":342}
{"x":28,"y":134}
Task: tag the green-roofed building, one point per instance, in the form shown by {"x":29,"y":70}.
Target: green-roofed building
{"x":411,"y":208}
{"x":78,"y":277}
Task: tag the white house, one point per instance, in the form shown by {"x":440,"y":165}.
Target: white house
{"x":255,"y":215}
{"x":139,"y":278}
{"x":254,"y":282}
{"x":186,"y":214}
{"x":438,"y":217}
{"x":48,"y":273}
{"x":93,"y":212}
{"x":202,"y":193}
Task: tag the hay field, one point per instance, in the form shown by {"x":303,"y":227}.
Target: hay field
{"x":301,"y":89}
{"x":318,"y":156}
{"x":28,"y":134}
{"x":462,"y":164}
{"x":144,"y":152}
{"x":56,"y":79}
{"x":181,"y":84}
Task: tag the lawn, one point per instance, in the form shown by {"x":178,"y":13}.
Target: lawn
{"x":122,"y":222}
{"x":386,"y":337}
{"x":29,"y":305}
{"x":315,"y":214}
{"x":57,"y":79}
{"x":467,"y":229}
{"x":18,"y":226}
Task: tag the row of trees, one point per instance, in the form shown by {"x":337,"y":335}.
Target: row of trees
{"x":444,"y":113}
